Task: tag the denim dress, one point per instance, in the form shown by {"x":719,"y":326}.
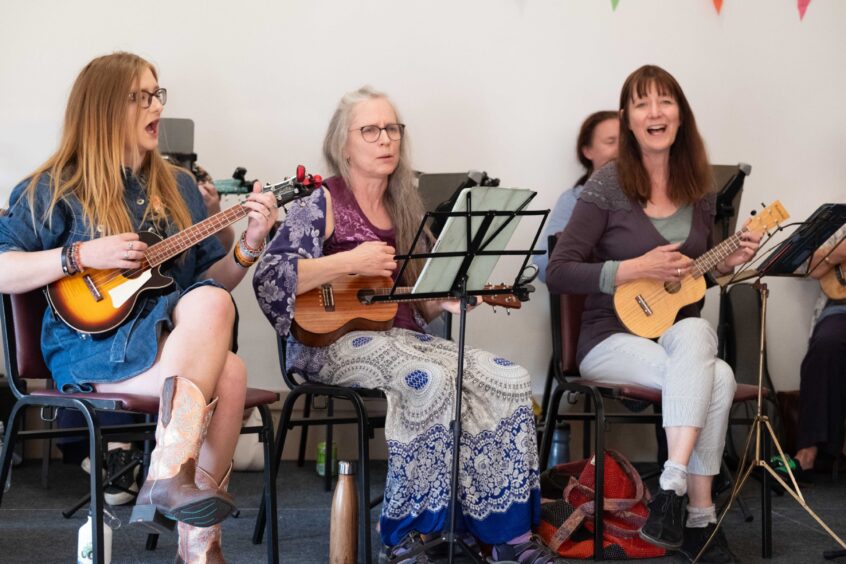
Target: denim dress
{"x":78,"y":360}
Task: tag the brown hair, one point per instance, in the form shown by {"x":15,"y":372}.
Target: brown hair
{"x":690,"y":176}
{"x":89,"y":161}
{"x":585,"y":139}
{"x":401,"y":199}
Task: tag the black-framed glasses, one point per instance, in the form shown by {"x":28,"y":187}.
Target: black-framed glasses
{"x":371,"y":133}
{"x":145,"y":98}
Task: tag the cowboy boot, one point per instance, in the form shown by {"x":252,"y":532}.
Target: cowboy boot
{"x":169,"y":493}
{"x":202,"y":545}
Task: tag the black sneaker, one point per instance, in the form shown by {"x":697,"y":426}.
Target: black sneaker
{"x":718,"y":552}
{"x":123,"y":489}
{"x":664,"y":526}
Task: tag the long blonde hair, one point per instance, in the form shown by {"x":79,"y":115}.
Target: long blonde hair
{"x":88,"y":164}
{"x":401,"y":199}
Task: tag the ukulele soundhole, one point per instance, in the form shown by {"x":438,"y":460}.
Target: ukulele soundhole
{"x":672,"y":287}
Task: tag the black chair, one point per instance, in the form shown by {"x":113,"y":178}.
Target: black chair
{"x":566,"y":318}
{"x":366,"y":426}
{"x":21,"y":317}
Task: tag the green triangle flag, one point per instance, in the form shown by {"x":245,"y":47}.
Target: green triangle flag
{"x":614,"y":4}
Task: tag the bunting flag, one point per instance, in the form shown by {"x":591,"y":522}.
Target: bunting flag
{"x":718,"y":4}
{"x":802,"y":5}
{"x":614,"y":4}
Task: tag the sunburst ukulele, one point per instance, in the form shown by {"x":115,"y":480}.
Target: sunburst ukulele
{"x":97,"y":301}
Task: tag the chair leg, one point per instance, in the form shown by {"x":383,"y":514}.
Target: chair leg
{"x":271,"y":521}
{"x":365,"y":550}
{"x":586,"y":442}
{"x":9,"y":442}
{"x":96,"y":456}
{"x":552,"y":411}
{"x":599,"y":478}
{"x":152,"y":538}
{"x":304,"y":431}
{"x":327,"y":457}
{"x":547,"y":388}
{"x":281,"y":433}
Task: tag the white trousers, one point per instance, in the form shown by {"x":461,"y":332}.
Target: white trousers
{"x":697,"y":388}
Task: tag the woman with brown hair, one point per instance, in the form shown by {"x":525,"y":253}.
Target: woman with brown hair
{"x":82,"y":209}
{"x":646,"y":215}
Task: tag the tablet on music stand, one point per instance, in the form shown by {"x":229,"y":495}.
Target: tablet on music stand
{"x":789,"y":257}
{"x":439,"y":273}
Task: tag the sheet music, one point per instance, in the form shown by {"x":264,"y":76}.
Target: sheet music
{"x":439,"y":273}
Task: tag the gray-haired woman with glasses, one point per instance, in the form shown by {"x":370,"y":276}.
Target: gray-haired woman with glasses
{"x":369,"y":212}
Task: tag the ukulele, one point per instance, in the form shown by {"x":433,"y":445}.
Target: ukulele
{"x":97,"y":301}
{"x":833,"y":283}
{"x":325,"y":314}
{"x":648,"y":307}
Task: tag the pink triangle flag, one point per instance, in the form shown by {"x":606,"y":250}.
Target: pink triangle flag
{"x":802,"y":5}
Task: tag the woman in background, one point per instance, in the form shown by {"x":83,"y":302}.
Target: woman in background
{"x":595,"y":146}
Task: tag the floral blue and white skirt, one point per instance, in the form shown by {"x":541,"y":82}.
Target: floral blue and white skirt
{"x":498,"y":488}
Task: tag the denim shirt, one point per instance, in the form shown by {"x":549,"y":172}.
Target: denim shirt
{"x":78,"y":360}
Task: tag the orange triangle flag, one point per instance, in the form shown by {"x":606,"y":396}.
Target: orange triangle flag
{"x":803,"y":5}
{"x":718,"y":4}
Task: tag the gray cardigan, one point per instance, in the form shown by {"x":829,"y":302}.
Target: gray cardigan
{"x":607,"y":225}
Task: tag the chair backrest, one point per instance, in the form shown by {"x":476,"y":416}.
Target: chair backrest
{"x":22,"y":315}
{"x":566,"y":319}
{"x":744,"y":334}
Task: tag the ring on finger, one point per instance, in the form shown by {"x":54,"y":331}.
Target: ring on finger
{"x":678,"y":272}
{"x":130,"y":245}
{"x":126,"y":255}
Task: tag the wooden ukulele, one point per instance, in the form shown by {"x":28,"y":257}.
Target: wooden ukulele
{"x":97,"y":301}
{"x":648,"y":307}
{"x":833,"y":284}
{"x":325,"y":314}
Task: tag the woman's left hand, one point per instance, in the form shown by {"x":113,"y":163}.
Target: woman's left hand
{"x":749,"y":243}
{"x":454,"y":306}
{"x":262,"y":215}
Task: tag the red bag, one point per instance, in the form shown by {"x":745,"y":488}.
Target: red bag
{"x":567,"y":510}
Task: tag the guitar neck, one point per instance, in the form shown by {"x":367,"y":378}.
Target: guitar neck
{"x":187,"y":238}
{"x":716,"y":255}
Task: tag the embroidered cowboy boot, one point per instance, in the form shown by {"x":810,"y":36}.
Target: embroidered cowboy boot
{"x":170,"y":493}
{"x":202,"y":545}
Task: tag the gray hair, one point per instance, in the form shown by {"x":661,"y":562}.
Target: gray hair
{"x":401,"y":199}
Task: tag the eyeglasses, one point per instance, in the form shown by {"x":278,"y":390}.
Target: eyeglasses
{"x":371,"y":133}
{"x":145,"y":98}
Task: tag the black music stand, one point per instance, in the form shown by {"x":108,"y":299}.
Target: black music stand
{"x":477,"y":244}
{"x":784,"y":260}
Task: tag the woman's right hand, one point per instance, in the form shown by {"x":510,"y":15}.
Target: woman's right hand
{"x":663,"y":263}
{"x":372,"y":258}
{"x":116,"y":251}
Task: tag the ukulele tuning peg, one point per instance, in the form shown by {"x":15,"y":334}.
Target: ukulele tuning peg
{"x":301,"y":174}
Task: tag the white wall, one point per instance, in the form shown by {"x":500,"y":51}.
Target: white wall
{"x":486,"y":84}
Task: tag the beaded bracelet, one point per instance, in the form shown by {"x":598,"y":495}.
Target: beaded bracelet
{"x":247,"y":250}
{"x":244,"y":262}
{"x":76,"y":256}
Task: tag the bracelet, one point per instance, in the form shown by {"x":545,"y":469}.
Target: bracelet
{"x":243,"y":262}
{"x":66,"y":267}
{"x":248,"y":250}
{"x":76,"y":256}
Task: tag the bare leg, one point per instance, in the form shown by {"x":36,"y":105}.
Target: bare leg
{"x":699,"y":490}
{"x":680,"y":443}
{"x":806,"y":457}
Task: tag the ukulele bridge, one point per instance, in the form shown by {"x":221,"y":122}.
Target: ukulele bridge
{"x":327,"y":297}
{"x":643,"y":305}
{"x":92,"y":288}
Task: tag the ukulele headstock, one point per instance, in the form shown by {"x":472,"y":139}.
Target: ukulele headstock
{"x":508,"y":299}
{"x":768,"y":218}
{"x":296,"y":187}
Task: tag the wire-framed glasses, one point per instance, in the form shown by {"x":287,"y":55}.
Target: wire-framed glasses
{"x":145,"y":98}
{"x":371,"y":133}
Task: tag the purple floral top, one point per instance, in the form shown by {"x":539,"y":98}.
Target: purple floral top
{"x":303,"y":235}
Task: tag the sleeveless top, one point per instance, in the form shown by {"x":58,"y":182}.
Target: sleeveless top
{"x":353,"y":228}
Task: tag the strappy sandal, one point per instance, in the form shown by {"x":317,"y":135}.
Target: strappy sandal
{"x":533,"y":551}
{"x":393,"y":554}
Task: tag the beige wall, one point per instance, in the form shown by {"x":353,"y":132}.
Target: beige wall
{"x":486,"y":84}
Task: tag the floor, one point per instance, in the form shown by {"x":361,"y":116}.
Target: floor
{"x":32,"y":528}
